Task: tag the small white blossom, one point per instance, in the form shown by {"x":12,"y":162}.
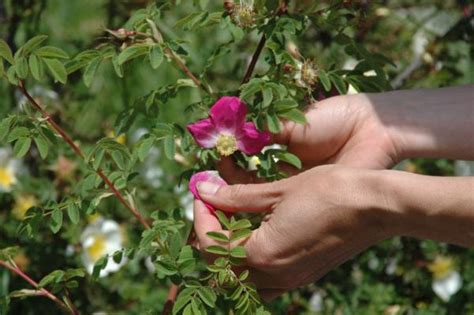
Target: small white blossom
{"x":101,"y":237}
{"x":9,"y":169}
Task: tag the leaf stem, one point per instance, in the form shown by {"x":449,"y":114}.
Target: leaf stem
{"x":81,"y":154}
{"x":42,"y":291}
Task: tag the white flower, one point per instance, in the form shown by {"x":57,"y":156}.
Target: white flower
{"x":316,"y":302}
{"x":446,"y":280}
{"x":8,"y":170}
{"x":101,"y":237}
{"x":447,"y":286}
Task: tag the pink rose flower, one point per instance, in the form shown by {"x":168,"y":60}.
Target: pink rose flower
{"x":205,"y":176}
{"x":227,"y":131}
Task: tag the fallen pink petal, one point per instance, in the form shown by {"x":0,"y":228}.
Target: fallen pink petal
{"x":205,"y":176}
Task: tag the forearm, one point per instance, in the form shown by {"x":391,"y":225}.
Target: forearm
{"x":429,"y":122}
{"x":429,"y":207}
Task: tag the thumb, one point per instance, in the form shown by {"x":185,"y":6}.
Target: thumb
{"x":241,"y":198}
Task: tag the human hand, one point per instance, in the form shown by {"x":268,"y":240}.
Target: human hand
{"x":319,"y":219}
{"x":343,"y":129}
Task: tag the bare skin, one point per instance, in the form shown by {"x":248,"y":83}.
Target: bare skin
{"x":326,"y":215}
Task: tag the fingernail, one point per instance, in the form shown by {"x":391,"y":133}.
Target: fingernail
{"x":207,"y":188}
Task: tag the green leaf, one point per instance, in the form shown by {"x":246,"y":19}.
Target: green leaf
{"x":183,"y":298}
{"x":145,"y":147}
{"x":221,"y":237}
{"x":244,"y":275}
{"x":36,"y":67}
{"x":118,"y":68}
{"x":54,"y":277}
{"x":6,"y":52}
{"x":267,"y":97}
{"x":216,"y":249}
{"x":21,"y":67}
{"x":2,"y":68}
{"x":51,"y":52}
{"x":5,"y":127}
{"x":156,"y":56}
{"x":42,"y":146}
{"x":273,"y":123}
{"x":284,"y":105}
{"x":17,"y":133}
{"x":240,"y":234}
{"x":165,"y":268}
{"x":22,"y":145}
{"x":91,"y":69}
{"x":241,"y":224}
{"x":338,"y":83}
{"x":132,"y":52}
{"x":289,"y":158}
{"x":238,"y":252}
{"x":117,"y":156}
{"x":56,"y":220}
{"x":11,"y":76}
{"x":57,"y":69}
{"x":295,"y":115}
{"x":33,"y":43}
{"x":323,"y":77}
{"x":73,"y":212}
{"x":208,"y":296}
{"x":223,"y":219}
{"x":117,"y":257}
{"x":169,"y":146}
{"x":99,"y":265}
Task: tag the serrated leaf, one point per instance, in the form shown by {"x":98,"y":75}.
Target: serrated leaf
{"x":57,"y":69}
{"x":5,"y":51}
{"x":5,"y":127}
{"x":267,"y":97}
{"x":294,"y":115}
{"x":145,"y":147}
{"x":118,"y":68}
{"x":169,"y":146}
{"x":273,"y":123}
{"x":240,"y":234}
{"x":241,"y":224}
{"x":33,"y":43}
{"x":216,"y":249}
{"x":221,"y":237}
{"x":21,"y":67}
{"x":338,"y":83}
{"x":11,"y":76}
{"x":36,"y":67}
{"x":73,"y":212}
{"x":22,"y":145}
{"x":223,"y":219}
{"x":51,"y":52}
{"x":90,"y":70}
{"x":42,"y":146}
{"x":289,"y":158}
{"x":244,"y":275}
{"x":323,"y":77}
{"x":165,"y":268}
{"x":54,"y":277}
{"x":156,"y":56}
{"x":208,"y":296}
{"x":238,"y":252}
{"x":99,"y":265}
{"x":183,"y":298}
{"x":132,"y":52}
{"x":56,"y":220}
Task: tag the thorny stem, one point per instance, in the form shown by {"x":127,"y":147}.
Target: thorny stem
{"x":42,"y":291}
{"x":81,"y":154}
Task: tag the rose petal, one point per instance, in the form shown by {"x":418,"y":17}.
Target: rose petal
{"x":204,"y":133}
{"x":250,"y":140}
{"x":205,"y":176}
{"x":228,"y":114}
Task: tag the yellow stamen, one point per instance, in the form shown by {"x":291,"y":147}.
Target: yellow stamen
{"x":97,"y":249}
{"x":441,"y":267}
{"x":22,"y":204}
{"x":226,"y":144}
{"x":7,"y":178}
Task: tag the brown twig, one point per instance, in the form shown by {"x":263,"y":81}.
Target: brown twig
{"x":282,"y":9}
{"x":41,"y":291}
{"x":81,"y":154}
{"x":254,"y":60}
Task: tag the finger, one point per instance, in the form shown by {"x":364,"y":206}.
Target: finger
{"x":270,"y":294}
{"x":241,"y":198}
{"x":204,"y":221}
